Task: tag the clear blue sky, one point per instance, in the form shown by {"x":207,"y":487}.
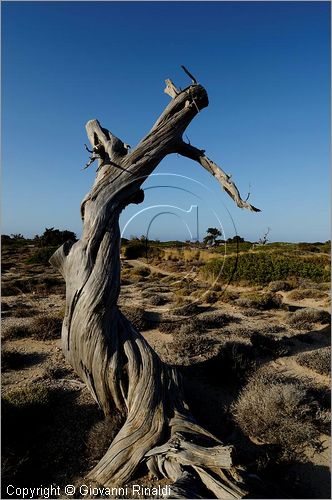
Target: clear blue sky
{"x":265,"y":65}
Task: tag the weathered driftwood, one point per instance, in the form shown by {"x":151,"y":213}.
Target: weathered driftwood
{"x":113,"y":359}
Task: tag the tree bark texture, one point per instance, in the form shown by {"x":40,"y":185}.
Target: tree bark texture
{"x":114,"y":360}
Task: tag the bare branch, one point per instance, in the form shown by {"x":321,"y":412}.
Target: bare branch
{"x":193,"y":79}
{"x":91,"y":160}
{"x":223,"y":178}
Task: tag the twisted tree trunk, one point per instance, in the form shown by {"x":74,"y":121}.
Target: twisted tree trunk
{"x":112,"y":358}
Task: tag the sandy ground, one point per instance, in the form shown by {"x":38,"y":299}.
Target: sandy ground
{"x":45,"y":354}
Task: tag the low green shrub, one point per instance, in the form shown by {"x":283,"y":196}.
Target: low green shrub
{"x":134,"y":250}
{"x":16,"y":332}
{"x":56,"y":372}
{"x":266,"y":345}
{"x":42,"y":256}
{"x":262,"y":268}
{"x":191,"y":326}
{"x":24,"y":311}
{"x":309,"y":247}
{"x":102,"y":433}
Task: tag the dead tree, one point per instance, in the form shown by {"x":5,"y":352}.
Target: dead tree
{"x":114,"y":360}
{"x":264,"y":239}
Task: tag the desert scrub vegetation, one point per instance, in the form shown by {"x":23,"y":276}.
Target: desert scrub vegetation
{"x":210,"y":297}
{"x":262,"y":301}
{"x":44,"y":327}
{"x":156,"y":300}
{"x":216,"y":319}
{"x":42,"y":256}
{"x":191,"y":326}
{"x":30,"y":398}
{"x":306,"y":293}
{"x":17,"y":286}
{"x":29,"y":457}
{"x":11,"y":359}
{"x":136,"y":274}
{"x":186,"y":346}
{"x":262,"y":268}
{"x":228,"y":296}
{"x":318,"y":360}
{"x":187,"y":309}
{"x":305,"y":318}
{"x":31,"y":285}
{"x":235,"y":362}
{"x":102,"y":434}
{"x":280,"y":286}
{"x":170,"y":325}
{"x":141,"y":271}
{"x":57,"y":371}
{"x":134,"y":250}
{"x":154,"y":288}
{"x":277,"y":411}
{"x":137,"y":316}
{"x":19,"y":310}
{"x":266,"y":345}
